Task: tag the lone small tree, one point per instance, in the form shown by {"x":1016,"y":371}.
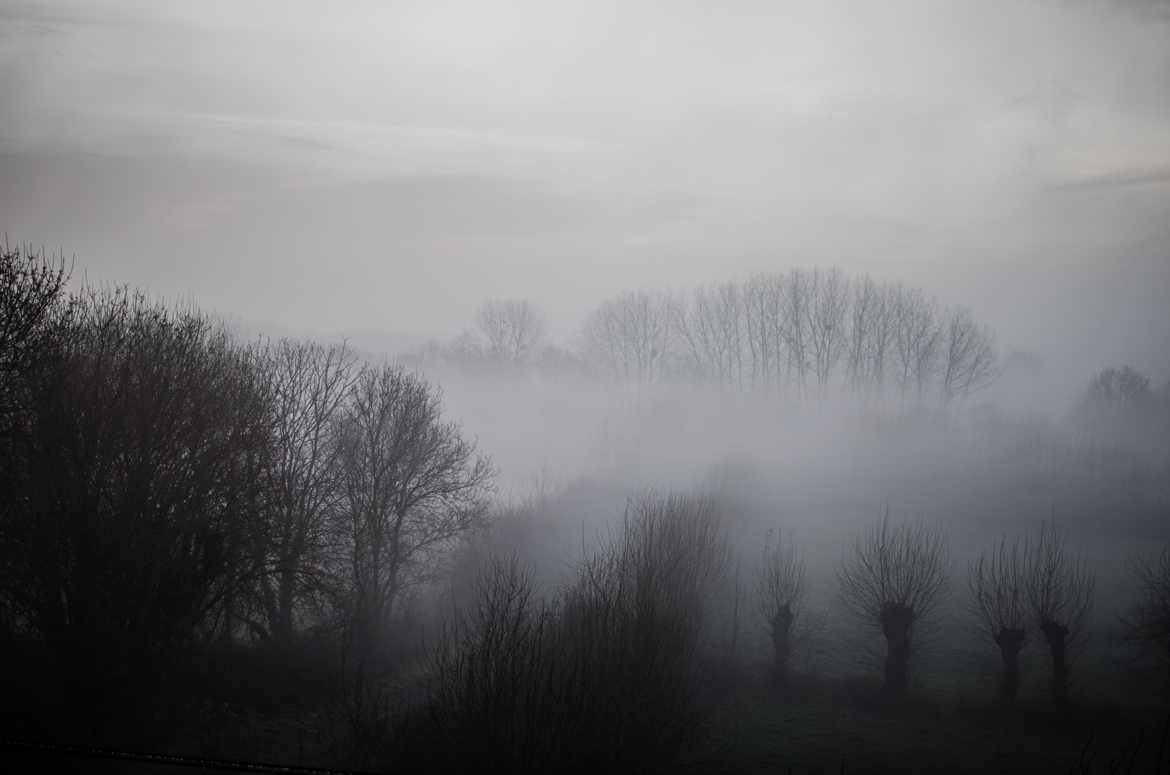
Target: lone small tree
{"x":1060,"y":594}
{"x":779,"y":594}
{"x":997,"y":582}
{"x":512,"y":330}
{"x":892,"y":579}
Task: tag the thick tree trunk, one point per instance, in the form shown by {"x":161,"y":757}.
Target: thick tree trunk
{"x":1057,"y":637}
{"x":1010,"y":641}
{"x":896,"y":620}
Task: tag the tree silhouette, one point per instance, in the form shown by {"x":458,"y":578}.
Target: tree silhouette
{"x":1060,"y":593}
{"x":410,"y":484}
{"x":997,"y":582}
{"x":892,"y":578}
{"x":779,"y":594}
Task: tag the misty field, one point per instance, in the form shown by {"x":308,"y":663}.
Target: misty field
{"x":585,"y":386}
{"x":765,"y":526}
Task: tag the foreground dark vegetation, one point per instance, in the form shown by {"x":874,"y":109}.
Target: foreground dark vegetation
{"x":278,"y":551}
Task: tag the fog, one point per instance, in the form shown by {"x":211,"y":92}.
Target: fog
{"x":668,"y":290}
{"x":387,"y":167}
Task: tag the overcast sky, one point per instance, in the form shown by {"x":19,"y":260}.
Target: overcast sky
{"x":388,"y":166}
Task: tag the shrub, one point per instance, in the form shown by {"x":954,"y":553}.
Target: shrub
{"x":604,"y":675}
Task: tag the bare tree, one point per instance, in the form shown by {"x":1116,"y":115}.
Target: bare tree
{"x":411,"y":484}
{"x":892,"y":579}
{"x":781,"y":329}
{"x":916,"y":339}
{"x":309,"y":383}
{"x":513,"y":329}
{"x":763,"y":302}
{"x":829,"y":296}
{"x":967,"y":356}
{"x":880,"y":342}
{"x":631,"y":336}
{"x":1060,"y":593}
{"x":862,"y":325}
{"x":997,"y":583}
{"x":795,"y":313}
{"x":711,"y":326}
{"x":779,"y":594}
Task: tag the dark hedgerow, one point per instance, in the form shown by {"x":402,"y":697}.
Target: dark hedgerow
{"x":605,"y":675}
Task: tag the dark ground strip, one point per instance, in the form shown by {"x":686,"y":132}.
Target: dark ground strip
{"x":170,"y":760}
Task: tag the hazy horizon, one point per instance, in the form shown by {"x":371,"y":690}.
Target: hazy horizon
{"x":380,"y":171}
{"x":587,"y":386}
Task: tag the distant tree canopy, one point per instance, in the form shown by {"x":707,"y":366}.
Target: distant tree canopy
{"x":1117,"y":391}
{"x":1118,"y":410}
{"x":510,"y":331}
{"x":632,"y":336}
{"x":796,"y":332}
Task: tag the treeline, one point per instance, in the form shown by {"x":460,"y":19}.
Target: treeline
{"x":802,"y":332}
{"x":624,"y":665}
{"x":167,"y":489}
{"x":164,"y":485}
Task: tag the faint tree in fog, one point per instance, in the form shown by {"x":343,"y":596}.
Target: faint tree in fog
{"x":1116,"y":400}
{"x":1060,"y":593}
{"x":1148,"y":623}
{"x":781,"y":330}
{"x":997,"y":582}
{"x":136,"y":493}
{"x":968,"y":356}
{"x":862,"y":330}
{"x":881,"y":337}
{"x":1119,"y":388}
{"x":309,"y":383}
{"x":710,"y":327}
{"x":513,"y":329}
{"x":779,"y":594}
{"x":410,"y":485}
{"x":763,"y":300}
{"x":1122,"y":420}
{"x":631,"y":336}
{"x":795,"y":313}
{"x":829,"y":300}
{"x":893,"y":578}
{"x":31,"y":285}
{"x":916,"y":339}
